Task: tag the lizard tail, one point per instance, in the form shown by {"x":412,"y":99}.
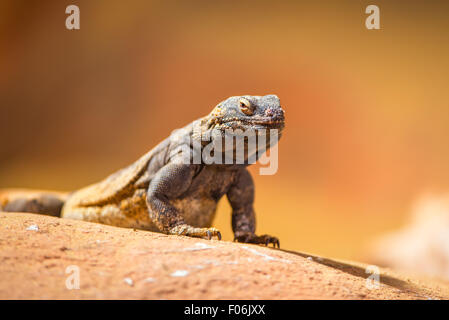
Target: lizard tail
{"x":32,"y":201}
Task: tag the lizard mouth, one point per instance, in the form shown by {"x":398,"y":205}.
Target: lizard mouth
{"x":256,"y":124}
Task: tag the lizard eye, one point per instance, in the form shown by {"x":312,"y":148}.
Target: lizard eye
{"x":246,"y":107}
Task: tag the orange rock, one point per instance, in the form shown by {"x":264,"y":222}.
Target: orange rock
{"x":117,"y":263}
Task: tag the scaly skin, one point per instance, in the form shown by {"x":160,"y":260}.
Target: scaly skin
{"x":160,"y":192}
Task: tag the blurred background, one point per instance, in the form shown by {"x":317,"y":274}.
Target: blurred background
{"x":367,"y":111}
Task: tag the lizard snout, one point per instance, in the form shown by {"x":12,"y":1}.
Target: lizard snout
{"x":276,"y":114}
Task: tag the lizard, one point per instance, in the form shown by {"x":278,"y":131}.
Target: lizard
{"x":160,"y":192}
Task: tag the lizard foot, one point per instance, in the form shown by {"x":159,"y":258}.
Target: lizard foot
{"x":248,"y":237}
{"x":189,"y":231}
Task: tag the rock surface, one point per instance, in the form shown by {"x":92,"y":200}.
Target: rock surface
{"x":39,"y":254}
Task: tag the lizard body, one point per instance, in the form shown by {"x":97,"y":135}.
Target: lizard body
{"x":161,"y":192}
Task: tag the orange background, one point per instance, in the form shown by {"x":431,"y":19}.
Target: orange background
{"x":367,"y":111}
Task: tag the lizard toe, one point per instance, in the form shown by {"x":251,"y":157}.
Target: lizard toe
{"x":263,"y":239}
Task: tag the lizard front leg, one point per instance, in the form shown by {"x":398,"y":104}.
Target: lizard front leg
{"x":241,"y":198}
{"x":170,"y":182}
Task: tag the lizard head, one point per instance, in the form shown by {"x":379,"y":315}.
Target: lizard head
{"x":245,"y":117}
{"x":247,"y":113}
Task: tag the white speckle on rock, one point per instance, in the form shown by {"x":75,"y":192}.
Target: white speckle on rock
{"x":265,"y":256}
{"x":33,"y":227}
{"x":129,"y":281}
{"x":310,"y":258}
{"x":200,"y":267}
{"x":150,"y":280}
{"x":179,"y":273}
{"x":199,"y":246}
{"x":213,"y":262}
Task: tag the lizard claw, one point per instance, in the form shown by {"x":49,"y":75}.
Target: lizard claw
{"x":252,"y":238}
{"x":213,"y":232}
{"x":268,"y":239}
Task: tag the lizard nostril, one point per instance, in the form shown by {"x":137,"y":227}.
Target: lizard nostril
{"x":269,"y":112}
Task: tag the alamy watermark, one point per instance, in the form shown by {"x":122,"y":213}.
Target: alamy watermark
{"x":228,"y":147}
{"x":373,"y":281}
{"x":73,"y":280}
{"x":373,"y":20}
{"x":72,"y":22}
